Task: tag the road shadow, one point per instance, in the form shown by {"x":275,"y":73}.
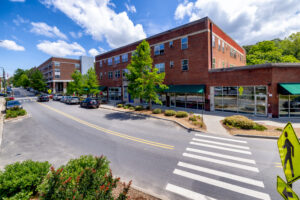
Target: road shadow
{"x":124,"y":116}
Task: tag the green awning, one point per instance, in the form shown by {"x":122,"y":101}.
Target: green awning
{"x":199,"y":89}
{"x":102,"y":88}
{"x":289,"y":88}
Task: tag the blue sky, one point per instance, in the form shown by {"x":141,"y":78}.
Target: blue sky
{"x":34,"y":30}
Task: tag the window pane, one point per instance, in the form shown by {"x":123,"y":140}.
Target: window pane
{"x":295,"y":105}
{"x":180,"y":100}
{"x":246,"y":103}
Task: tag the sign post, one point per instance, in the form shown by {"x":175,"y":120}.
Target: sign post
{"x":289,"y":151}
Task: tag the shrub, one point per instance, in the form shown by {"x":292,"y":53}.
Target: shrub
{"x":242,"y":122}
{"x":181,"y":114}
{"x":156,"y":111}
{"x":125,"y":107}
{"x":193,"y":118}
{"x":279,"y":129}
{"x":120,"y":105}
{"x":20,"y":180}
{"x":84,"y":178}
{"x":198,"y":123}
{"x":15,"y":112}
{"x":131,"y":108}
{"x":8,"y":99}
{"x":22,"y":112}
{"x":139,"y":108}
{"x":170,"y":112}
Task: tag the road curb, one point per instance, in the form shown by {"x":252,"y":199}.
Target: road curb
{"x":178,"y":123}
{"x":17,"y":118}
{"x":149,"y":193}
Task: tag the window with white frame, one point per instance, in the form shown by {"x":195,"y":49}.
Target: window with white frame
{"x":117,"y":74}
{"x":223,"y":46}
{"x":57,"y":70}
{"x":77,"y":66}
{"x":124,"y":71}
{"x":184,"y":43}
{"x":110,"y":75}
{"x":213,"y":41}
{"x":160,"y":67}
{"x":213,"y":63}
{"x":56,"y":64}
{"x":219,"y":44}
{"x":101,"y":76}
{"x":171,"y":44}
{"x":117,"y":59}
{"x":125,"y":57}
{"x":171,"y":64}
{"x":101,"y":64}
{"x":109,"y":61}
{"x":184,"y":65}
{"x":159,"y":49}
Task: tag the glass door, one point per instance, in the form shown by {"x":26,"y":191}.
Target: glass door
{"x":261,"y":105}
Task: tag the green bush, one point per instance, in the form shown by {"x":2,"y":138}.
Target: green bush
{"x":7,"y":99}
{"x":20,"y":180}
{"x":139,"y":108}
{"x":22,"y":112}
{"x":193,"y":118}
{"x":170,"y":112}
{"x":131,"y":108}
{"x":156,"y":111}
{"x":84,"y":178}
{"x":15,"y":112}
{"x":181,"y":114}
{"x":125,"y":107}
{"x":242,"y":122}
{"x":198,"y":123}
{"x":120,"y":105}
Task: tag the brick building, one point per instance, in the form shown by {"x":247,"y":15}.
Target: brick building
{"x":202,"y":66}
{"x":58,"y":71}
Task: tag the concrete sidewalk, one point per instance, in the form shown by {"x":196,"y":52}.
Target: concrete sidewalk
{"x":212,"y":119}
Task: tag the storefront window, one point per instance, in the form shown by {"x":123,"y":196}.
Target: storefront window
{"x":172,"y":100}
{"x":180,"y":100}
{"x":260,"y":89}
{"x":246,"y":102}
{"x":230,"y":99}
{"x":114,"y":93}
{"x":289,"y":106}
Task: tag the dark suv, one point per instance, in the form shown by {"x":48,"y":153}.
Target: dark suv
{"x":43,"y":97}
{"x":90,"y":103}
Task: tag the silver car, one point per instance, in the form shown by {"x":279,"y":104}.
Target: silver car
{"x":73,"y":100}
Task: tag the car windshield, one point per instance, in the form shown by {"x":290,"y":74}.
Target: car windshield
{"x":10,"y":103}
{"x":75,"y":98}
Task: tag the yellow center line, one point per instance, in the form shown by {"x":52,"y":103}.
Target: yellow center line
{"x":140,"y":140}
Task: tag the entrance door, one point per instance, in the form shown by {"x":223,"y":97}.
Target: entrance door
{"x":261,"y":105}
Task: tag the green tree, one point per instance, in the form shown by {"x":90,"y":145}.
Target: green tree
{"x":37,"y":80}
{"x":76,"y":85}
{"x":24,"y":80}
{"x":90,"y":82}
{"x":267,"y":52}
{"x":17,"y":77}
{"x":291,"y":45}
{"x":144,"y":80}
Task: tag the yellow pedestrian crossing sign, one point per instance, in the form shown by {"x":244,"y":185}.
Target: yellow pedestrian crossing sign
{"x":49,"y":91}
{"x":241,"y":90}
{"x":285,"y":190}
{"x":289,"y":151}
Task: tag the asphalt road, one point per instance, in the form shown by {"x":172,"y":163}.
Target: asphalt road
{"x":157,"y":155}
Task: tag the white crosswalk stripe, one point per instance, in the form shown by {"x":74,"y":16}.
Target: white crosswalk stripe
{"x":221,"y":155}
{"x":221,"y":148}
{"x":217,"y":162}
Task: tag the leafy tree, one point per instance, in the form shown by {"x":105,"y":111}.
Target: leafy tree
{"x":17,"y":77}
{"x":267,"y":52}
{"x":90,"y":82}
{"x":37,"y":81}
{"x":291,"y":45}
{"x":76,"y":85}
{"x":144,"y":80}
{"x":24,"y":80}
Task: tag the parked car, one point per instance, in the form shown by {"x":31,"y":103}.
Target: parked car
{"x":13,"y":104}
{"x":73,"y":100}
{"x":90,"y":103}
{"x":63,"y":99}
{"x":67,"y":99}
{"x":43,"y":97}
{"x":57,"y":97}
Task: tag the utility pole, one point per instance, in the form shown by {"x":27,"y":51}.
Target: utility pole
{"x":4,"y":80}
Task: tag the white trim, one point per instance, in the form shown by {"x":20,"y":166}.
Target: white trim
{"x":167,"y":41}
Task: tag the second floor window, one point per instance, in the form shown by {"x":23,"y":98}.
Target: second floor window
{"x":110,"y":75}
{"x":171,"y":64}
{"x":57,"y":70}
{"x":117,"y":74}
{"x":100,"y":63}
{"x":124,"y":71}
{"x":109,"y":61}
{"x":117,"y":59}
{"x":159,"y":49}
{"x":213,"y":41}
{"x":184,"y":65}
{"x":125,"y":57}
{"x":101,"y":76}
{"x":171,"y":44}
{"x":160,"y":67}
{"x":184,"y":43}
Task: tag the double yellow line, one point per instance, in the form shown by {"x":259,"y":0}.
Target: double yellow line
{"x":140,"y":140}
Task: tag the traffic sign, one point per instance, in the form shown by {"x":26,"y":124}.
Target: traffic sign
{"x":285,"y":190}
{"x":289,"y":151}
{"x":49,"y":91}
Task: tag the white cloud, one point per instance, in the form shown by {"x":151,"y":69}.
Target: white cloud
{"x":130,"y":8}
{"x":42,"y":28}
{"x":11,"y":45}
{"x":76,"y":35}
{"x":94,"y":52}
{"x":61,"y":48}
{"x":98,"y":19}
{"x":19,"y":20}
{"x":247,"y":21}
{"x":17,"y":0}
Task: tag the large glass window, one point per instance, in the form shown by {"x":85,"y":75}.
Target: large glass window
{"x":159,"y":49}
{"x":172,"y":100}
{"x":160,"y":67}
{"x":180,"y":100}
{"x":289,"y":105}
{"x":184,"y":43}
{"x":230,"y":98}
{"x":114,"y":93}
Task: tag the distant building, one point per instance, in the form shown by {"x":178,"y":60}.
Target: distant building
{"x":206,"y":69}
{"x":58,"y":71}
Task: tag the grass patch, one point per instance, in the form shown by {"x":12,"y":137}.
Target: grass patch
{"x":242,"y":122}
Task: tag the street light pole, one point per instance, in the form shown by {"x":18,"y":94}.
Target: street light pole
{"x":4,"y":80}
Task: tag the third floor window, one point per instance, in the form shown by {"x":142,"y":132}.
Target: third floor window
{"x":109,"y":61}
{"x":117,"y":59}
{"x":125,"y":57}
{"x":159,"y":49}
{"x":184,"y":43}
